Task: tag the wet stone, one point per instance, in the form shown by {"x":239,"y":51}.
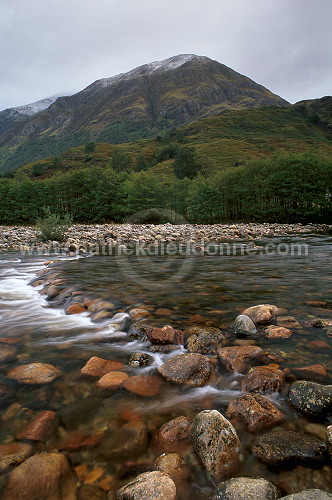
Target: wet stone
{"x":91,"y":492}
{"x":244,"y":325}
{"x":312,"y":494}
{"x":165,"y":335}
{"x":13,"y":454}
{"x":246,"y":488}
{"x":187,"y":369}
{"x":240,"y":358}
{"x":216,"y":442}
{"x":254,"y":411}
{"x":34,"y":373}
{"x":277,"y":332}
{"x":329,"y":439}
{"x":303,"y":478}
{"x":46,"y":476}
{"x":150,"y":485}
{"x":261,"y":314}
{"x":97,"y":367}
{"x":140,"y":359}
{"x":7,"y":353}
{"x":40,"y":428}
{"x":311,"y":398}
{"x":204,"y":340}
{"x":263,"y":379}
{"x":143,"y":385}
{"x":315,"y":373}
{"x":283,"y":447}
{"x":173,"y":465}
{"x":130,"y":440}
{"x":174,"y":436}
{"x":112,"y":380}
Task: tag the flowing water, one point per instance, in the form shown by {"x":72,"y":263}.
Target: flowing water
{"x":178,"y":290}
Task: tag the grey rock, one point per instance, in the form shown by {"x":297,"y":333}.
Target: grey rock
{"x":204,"y":340}
{"x":244,"y":325}
{"x":216,"y":442}
{"x":191,"y":369}
{"x":285,"y":447}
{"x":246,"y":488}
{"x":311,"y":398}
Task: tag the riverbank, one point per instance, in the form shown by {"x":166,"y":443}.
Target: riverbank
{"x":16,"y":238}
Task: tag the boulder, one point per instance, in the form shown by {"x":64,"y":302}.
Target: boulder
{"x":263,"y":379}
{"x":261,"y":314}
{"x":149,"y":486}
{"x":165,"y":335}
{"x":174,"y":436}
{"x":75,"y":308}
{"x":46,"y":476}
{"x":204,"y":340}
{"x":245,"y":488}
{"x":244,"y":325}
{"x":216,"y":442}
{"x":254,"y":411}
{"x":34,"y":373}
{"x":283,"y":447}
{"x":97,"y":367}
{"x":240,"y":358}
{"x":191,"y":369}
{"x":13,"y":454}
{"x":311,"y":398}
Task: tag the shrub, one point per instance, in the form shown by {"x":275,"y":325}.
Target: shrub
{"x":52,"y":226}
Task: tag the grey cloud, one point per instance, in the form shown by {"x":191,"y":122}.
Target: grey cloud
{"x":64,"y":45}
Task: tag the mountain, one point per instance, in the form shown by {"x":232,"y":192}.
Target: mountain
{"x":130,"y":106}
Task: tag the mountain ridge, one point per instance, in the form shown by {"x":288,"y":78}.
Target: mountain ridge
{"x":133,"y":105}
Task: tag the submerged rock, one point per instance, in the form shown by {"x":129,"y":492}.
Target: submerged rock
{"x":13,"y":454}
{"x":286,"y":447}
{"x":34,"y":373}
{"x":40,"y":428}
{"x":254,"y":411}
{"x":97,"y":367}
{"x":303,"y":478}
{"x":143,"y":385}
{"x":246,"y":488}
{"x":130,"y":440}
{"x":46,"y":476}
{"x":277,"y":332}
{"x":111,"y":380}
{"x":315,"y":373}
{"x":216,"y":442}
{"x":173,"y":465}
{"x":7,"y":353}
{"x":240,"y":358}
{"x":311,"y":398}
{"x":329,"y":439}
{"x":187,"y":369}
{"x":149,"y":486}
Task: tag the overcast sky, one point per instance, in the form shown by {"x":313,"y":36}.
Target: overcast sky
{"x":52,"y":47}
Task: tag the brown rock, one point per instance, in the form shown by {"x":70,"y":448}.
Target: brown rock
{"x":277,"y":332}
{"x":46,"y":476}
{"x":7,"y":353}
{"x":112,"y":380}
{"x":191,"y":369}
{"x":174,"y":436}
{"x":263,"y":379}
{"x":318,"y":344}
{"x":165,"y":335}
{"x":91,"y":492}
{"x":303,"y":478}
{"x":149,"y":486}
{"x":34,"y":373}
{"x":316,"y":373}
{"x":77,"y":440}
{"x":138,"y":313}
{"x":75,"y":309}
{"x":97,"y":367}
{"x":261,"y":314}
{"x":288,"y":322}
{"x":329,"y":439}
{"x":40,"y":428}
{"x":13,"y":454}
{"x":240,"y":358}
{"x":143,"y":385}
{"x":216,"y":442}
{"x":173,"y":465}
{"x":254,"y":411}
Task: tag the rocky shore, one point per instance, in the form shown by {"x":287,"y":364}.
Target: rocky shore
{"x":89,"y":237}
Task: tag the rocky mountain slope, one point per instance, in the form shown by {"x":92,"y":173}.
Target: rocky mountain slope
{"x":130,"y":106}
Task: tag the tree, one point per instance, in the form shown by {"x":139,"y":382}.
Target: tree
{"x":120,"y":161}
{"x":90,"y":147}
{"x":186,"y":163}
